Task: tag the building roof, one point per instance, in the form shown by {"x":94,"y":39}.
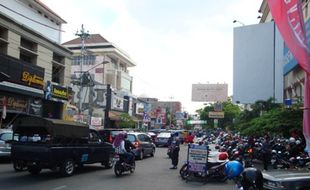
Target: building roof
{"x":92,"y":39}
{"x":45,"y":7}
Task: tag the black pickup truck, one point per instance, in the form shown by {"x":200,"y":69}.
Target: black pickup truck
{"x":57,"y":145}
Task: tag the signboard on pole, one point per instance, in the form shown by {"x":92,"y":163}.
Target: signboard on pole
{"x":216,"y":114}
{"x":197,"y":157}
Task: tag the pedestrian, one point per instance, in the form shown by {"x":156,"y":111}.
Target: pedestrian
{"x":266,"y":152}
{"x":175,"y":149}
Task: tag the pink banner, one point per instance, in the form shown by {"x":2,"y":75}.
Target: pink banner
{"x":288,"y":17}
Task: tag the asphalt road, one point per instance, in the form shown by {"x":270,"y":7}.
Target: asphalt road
{"x":152,"y":173}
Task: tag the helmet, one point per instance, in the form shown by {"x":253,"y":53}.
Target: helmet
{"x":233,"y":169}
{"x":125,"y":135}
{"x":298,"y":142}
{"x":292,"y":140}
{"x":223,"y":156}
{"x":252,"y":177}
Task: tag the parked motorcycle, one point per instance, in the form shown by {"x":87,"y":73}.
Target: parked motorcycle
{"x":121,"y":165}
{"x":215,"y":171}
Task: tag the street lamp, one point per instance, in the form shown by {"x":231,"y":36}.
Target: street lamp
{"x":239,"y":22}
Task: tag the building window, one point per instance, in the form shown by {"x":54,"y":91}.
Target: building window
{"x":3,"y":40}
{"x":88,"y":60}
{"x":28,"y":51}
{"x":58,"y":73}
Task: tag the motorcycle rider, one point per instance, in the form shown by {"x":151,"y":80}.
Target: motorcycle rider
{"x":129,"y":146}
{"x":119,"y":146}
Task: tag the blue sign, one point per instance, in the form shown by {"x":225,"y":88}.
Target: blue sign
{"x":289,"y":61}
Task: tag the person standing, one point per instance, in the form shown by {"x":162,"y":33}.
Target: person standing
{"x":266,"y":151}
{"x":175,"y":149}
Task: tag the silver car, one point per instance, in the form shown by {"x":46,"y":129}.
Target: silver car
{"x":5,"y":148}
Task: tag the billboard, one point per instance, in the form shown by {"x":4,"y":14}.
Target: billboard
{"x":257,"y":63}
{"x":209,"y":92}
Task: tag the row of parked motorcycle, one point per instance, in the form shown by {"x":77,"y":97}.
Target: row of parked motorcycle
{"x":282,"y":153}
{"x":238,"y":164}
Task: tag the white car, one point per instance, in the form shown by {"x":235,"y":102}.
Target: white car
{"x":5,"y":148}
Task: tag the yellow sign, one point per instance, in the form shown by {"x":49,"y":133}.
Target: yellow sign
{"x":32,"y":79}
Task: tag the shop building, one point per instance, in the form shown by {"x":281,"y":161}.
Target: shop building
{"x":31,"y":59}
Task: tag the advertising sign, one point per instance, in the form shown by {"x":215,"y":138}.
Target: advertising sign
{"x":96,"y":121}
{"x":209,"y":92}
{"x":197,"y":157}
{"x":117,"y":103}
{"x":216,"y":114}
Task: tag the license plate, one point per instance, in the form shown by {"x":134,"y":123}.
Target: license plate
{"x":116,"y":159}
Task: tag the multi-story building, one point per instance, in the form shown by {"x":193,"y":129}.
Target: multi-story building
{"x":101,"y":63}
{"x":35,"y":68}
{"x":293,"y":75}
{"x":160,"y":110}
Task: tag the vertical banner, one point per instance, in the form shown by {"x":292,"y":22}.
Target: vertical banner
{"x":288,"y":17}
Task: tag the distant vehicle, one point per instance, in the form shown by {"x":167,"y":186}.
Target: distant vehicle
{"x":162,"y":139}
{"x":287,"y":180}
{"x":57,"y":145}
{"x":143,"y":143}
{"x":108,"y":135}
{"x":152,"y":135}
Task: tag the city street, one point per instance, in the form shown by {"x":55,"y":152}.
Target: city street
{"x":152,"y":173}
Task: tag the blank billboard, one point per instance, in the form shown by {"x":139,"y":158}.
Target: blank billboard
{"x":209,"y":92}
{"x":257,"y":63}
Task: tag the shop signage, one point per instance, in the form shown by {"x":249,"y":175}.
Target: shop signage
{"x":216,"y":114}
{"x":14,"y":103}
{"x":35,"y":107}
{"x":56,"y":91}
{"x":32,"y":79}
{"x":117,"y":103}
{"x":22,"y":73}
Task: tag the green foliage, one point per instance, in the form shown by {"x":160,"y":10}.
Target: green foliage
{"x":262,"y":117}
{"x":126,"y":121}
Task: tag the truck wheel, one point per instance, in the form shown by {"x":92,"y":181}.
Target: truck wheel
{"x":67,"y":168}
{"x":34,"y":170}
{"x":19,"y":166}
{"x":109,"y":164}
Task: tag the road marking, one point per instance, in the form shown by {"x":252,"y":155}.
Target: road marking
{"x":60,"y":187}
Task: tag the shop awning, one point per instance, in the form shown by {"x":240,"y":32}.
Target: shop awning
{"x":115,"y":115}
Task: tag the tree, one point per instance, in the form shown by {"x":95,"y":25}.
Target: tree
{"x":126,"y":121}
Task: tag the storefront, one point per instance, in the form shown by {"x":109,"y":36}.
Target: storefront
{"x":56,"y":102}
{"x":21,"y":91}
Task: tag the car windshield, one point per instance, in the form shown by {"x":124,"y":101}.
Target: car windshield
{"x":164,"y":135}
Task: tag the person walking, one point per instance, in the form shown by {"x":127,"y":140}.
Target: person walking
{"x":175,"y":149}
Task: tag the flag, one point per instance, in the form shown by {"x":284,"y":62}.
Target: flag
{"x":290,"y":22}
{"x":4,"y":103}
{"x":288,"y":17}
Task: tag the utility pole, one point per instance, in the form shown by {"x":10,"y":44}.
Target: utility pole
{"x":170,"y":111}
{"x":83,"y":35}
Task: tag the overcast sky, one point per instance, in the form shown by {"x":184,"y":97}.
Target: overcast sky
{"x":174,"y":43}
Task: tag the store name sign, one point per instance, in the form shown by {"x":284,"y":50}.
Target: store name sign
{"x":32,"y":79}
{"x":59,"y":92}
